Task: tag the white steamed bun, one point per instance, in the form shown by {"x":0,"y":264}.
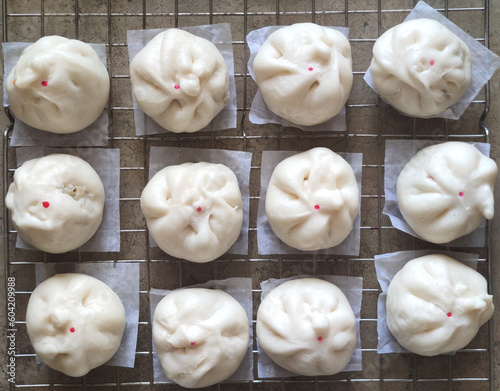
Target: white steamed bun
{"x":180,"y":80}
{"x":312,"y":200}
{"x":420,"y":67}
{"x":436,"y":305}
{"x":304,"y":73}
{"x":446,"y":190}
{"x":56,"y":202}
{"x":193,"y":210}
{"x":307,"y":326}
{"x":201,"y":336}
{"x":75,"y":323}
{"x":59,"y":85}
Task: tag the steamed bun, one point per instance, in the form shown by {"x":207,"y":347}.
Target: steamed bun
{"x":445,"y":190}
{"x":304,"y":73}
{"x":307,"y":326}
{"x":59,"y":85}
{"x":201,"y":336}
{"x":436,"y":305}
{"x":312,"y":200}
{"x":420,"y":67}
{"x":56,"y":202}
{"x":193,"y":210}
{"x":75,"y":323}
{"x":180,"y":80}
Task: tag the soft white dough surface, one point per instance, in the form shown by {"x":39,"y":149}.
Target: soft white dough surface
{"x":76,"y":90}
{"x":201,"y":336}
{"x":307,"y":327}
{"x":56,"y":202}
{"x":436,"y":305}
{"x":312,"y":200}
{"x":75,"y":323}
{"x":180,"y":80}
{"x":420,"y":67}
{"x":304,"y":73}
{"x":446,"y":190}
{"x":193,"y":210}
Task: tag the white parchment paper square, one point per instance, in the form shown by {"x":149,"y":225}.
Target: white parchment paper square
{"x":106,"y":162}
{"x":386,"y":266}
{"x":484,"y":62}
{"x":239,"y":162}
{"x":96,"y":134}
{"x":240,"y":288}
{"x":397,"y":154}
{"x":260,"y":113}
{"x":220,"y":36}
{"x":123,"y":279}
{"x":352,"y":288}
{"x":269,"y":243}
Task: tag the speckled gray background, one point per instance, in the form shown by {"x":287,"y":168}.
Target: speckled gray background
{"x":369,"y":125}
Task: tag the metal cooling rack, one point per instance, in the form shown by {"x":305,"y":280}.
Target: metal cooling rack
{"x":370,"y":123}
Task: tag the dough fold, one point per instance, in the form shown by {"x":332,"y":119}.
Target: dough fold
{"x":446,"y":190}
{"x":201,"y":336}
{"x":180,"y":80}
{"x":307,"y":327}
{"x":312,"y":200}
{"x":193,"y":211}
{"x":436,"y":305}
{"x":304,"y":73}
{"x":75,"y":323}
{"x":58,"y":85}
{"x":56,"y":202}
{"x":420,"y":67}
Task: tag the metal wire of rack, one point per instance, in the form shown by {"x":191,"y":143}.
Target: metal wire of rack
{"x":370,"y":123}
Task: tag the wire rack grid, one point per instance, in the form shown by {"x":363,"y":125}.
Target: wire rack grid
{"x":370,"y":124}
